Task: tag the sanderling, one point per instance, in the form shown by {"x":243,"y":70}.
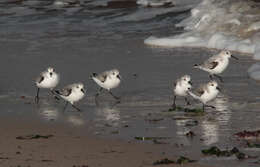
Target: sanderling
{"x":206,"y":93}
{"x":72,"y":93}
{"x":181,"y":87}
{"x":48,"y":79}
{"x":107,"y":80}
{"x":216,"y":64}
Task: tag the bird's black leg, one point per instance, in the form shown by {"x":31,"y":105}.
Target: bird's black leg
{"x":37,"y":96}
{"x":117,"y":98}
{"x":219,"y":77}
{"x":76,"y":107}
{"x":65,"y":106}
{"x":187,"y":102}
{"x":97,"y":94}
{"x":54,"y":95}
{"x":203,"y":107}
{"x":114,"y":104}
{"x":211,"y":77}
{"x":174,"y":104}
{"x":99,"y":91}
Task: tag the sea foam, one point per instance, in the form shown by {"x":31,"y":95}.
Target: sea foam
{"x":218,"y":24}
{"x":254,"y":71}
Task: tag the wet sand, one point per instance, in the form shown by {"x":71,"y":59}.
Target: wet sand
{"x":69,"y":148}
{"x":103,"y":134}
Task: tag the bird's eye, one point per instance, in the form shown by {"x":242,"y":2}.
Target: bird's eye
{"x":113,"y":73}
{"x":212,"y":84}
{"x":227,"y":53}
{"x":184,"y":79}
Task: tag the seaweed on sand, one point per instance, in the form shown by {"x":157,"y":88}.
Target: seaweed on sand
{"x":180,"y":160}
{"x":226,"y":153}
{"x":248,"y":134}
{"x":253,"y":145}
{"x":188,"y":110}
{"x":29,"y":137}
{"x":164,"y":161}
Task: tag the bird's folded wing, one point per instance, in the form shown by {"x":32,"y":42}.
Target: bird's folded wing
{"x":102,"y":77}
{"x":200,"y":90}
{"x":211,"y":63}
{"x":65,"y":91}
{"x":39,"y":79}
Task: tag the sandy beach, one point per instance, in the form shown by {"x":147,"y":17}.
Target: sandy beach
{"x":84,"y":37}
{"x":67,"y":147}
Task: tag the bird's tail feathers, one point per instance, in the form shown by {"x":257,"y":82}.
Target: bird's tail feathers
{"x":57,"y":91}
{"x":197,"y":66}
{"x":93,"y":75}
{"x":193,"y":95}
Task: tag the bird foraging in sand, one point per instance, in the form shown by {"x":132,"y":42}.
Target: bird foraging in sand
{"x":107,"y":80}
{"x":72,"y":93}
{"x":48,"y":79}
{"x":181,"y":88}
{"x":206,"y":93}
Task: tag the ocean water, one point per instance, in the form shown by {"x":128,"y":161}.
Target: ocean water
{"x":78,"y":37}
{"x":230,"y":24}
{"x":36,"y":34}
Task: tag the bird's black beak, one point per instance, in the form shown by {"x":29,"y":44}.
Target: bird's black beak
{"x":118,"y":76}
{"x":82,"y":90}
{"x":218,"y":88}
{"x":234,"y":57}
{"x":190,"y":82}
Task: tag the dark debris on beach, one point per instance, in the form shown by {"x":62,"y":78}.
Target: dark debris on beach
{"x":226,"y":153}
{"x":180,"y":160}
{"x":190,"y":134}
{"x":30,"y":137}
{"x":248,"y":134}
{"x":187,"y":110}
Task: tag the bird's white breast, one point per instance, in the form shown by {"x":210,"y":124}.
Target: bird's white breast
{"x":222,"y":65}
{"x":49,"y":82}
{"x":75,"y":96}
{"x":208,"y":96}
{"x":110,"y":82}
{"x":180,"y":90}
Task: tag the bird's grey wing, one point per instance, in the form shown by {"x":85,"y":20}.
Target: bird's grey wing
{"x":39,"y":79}
{"x":211,"y":63}
{"x":200,"y":90}
{"x":65,"y":91}
{"x":102,"y":76}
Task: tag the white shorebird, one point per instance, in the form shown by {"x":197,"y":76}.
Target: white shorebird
{"x":72,"y":93}
{"x":181,"y":88}
{"x":107,"y":80}
{"x":216,"y":64}
{"x":48,"y":79}
{"x":206,"y":93}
